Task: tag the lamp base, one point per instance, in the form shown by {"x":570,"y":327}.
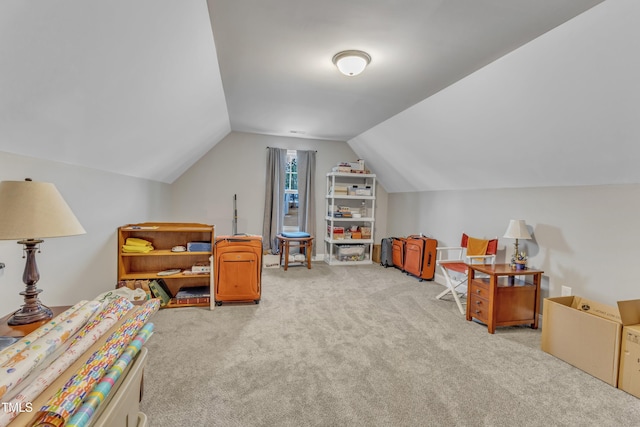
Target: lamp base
{"x":27,"y":315}
{"x":32,"y":310}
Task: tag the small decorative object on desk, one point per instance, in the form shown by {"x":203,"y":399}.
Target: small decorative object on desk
{"x":519,"y":261}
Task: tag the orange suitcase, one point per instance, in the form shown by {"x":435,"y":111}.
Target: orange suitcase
{"x":397,"y":252}
{"x":237,"y":270}
{"x":420,"y":257}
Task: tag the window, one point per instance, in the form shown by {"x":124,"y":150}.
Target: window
{"x":291,"y":173}
{"x":291,"y":193}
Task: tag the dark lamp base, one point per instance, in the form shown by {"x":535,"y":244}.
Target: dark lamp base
{"x":32,"y":310}
{"x":25,"y":315}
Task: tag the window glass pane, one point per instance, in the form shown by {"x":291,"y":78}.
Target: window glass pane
{"x":291,"y":172}
{"x":291,"y":193}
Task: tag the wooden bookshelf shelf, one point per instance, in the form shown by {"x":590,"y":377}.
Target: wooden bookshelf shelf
{"x":165,"y":253}
{"x":163,"y":237}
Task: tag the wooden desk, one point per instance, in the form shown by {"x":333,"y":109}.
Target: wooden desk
{"x":7,"y":330}
{"x":497,"y":298}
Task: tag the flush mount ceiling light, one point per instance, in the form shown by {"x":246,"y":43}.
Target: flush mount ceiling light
{"x":351,"y":62}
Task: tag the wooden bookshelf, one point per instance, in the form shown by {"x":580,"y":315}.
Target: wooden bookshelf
{"x":164,"y":236}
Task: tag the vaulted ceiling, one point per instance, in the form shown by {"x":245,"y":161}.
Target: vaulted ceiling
{"x":146,"y":88}
{"x":278,"y":77}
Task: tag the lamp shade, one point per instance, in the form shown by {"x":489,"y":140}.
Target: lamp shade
{"x":34,"y":210}
{"x":517,"y":229}
{"x":351,"y":62}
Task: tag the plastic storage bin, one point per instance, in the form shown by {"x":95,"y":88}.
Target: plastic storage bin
{"x":350,"y":253}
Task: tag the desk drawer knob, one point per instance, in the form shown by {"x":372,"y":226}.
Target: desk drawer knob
{"x":478,"y":302}
{"x":478,"y":291}
{"x":478,"y":312}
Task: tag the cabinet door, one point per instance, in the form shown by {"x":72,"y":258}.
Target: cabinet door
{"x":516,"y":303}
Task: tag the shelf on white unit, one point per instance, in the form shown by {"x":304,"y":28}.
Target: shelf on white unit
{"x":352,"y":175}
{"x":344,"y":196}
{"x":348,"y":241}
{"x":341,"y":219}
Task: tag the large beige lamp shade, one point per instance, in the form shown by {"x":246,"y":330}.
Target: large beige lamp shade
{"x":517,"y":229}
{"x":29,"y":212}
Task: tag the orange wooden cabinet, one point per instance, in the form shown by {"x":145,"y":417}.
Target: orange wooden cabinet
{"x":500,"y":299}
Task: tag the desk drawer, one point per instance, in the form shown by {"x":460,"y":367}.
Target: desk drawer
{"x":478,"y":307}
{"x":479,"y":288}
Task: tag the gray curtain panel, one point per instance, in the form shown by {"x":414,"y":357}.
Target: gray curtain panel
{"x":274,"y":198}
{"x":307,"y":192}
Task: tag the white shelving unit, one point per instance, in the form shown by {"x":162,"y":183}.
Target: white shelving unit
{"x":355,"y":203}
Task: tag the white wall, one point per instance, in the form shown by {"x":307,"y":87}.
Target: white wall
{"x":78,"y":267}
{"x":237,"y":165}
{"x":583,"y":237}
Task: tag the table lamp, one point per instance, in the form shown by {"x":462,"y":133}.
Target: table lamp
{"x":517,"y":229}
{"x":29,"y":212}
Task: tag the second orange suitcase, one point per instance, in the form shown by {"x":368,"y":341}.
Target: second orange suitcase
{"x":420,"y":257}
{"x":237,"y":268}
{"x":397,"y":252}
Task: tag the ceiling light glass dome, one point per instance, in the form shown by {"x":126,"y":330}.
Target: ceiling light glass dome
{"x":351,"y":62}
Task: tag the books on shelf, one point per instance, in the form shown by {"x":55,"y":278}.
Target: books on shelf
{"x":159,"y":292}
{"x":164,"y":286}
{"x":193,"y":291}
{"x":190,"y":301}
{"x":192,"y":296}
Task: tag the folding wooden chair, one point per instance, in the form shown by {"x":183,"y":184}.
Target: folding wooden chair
{"x":454,"y":261}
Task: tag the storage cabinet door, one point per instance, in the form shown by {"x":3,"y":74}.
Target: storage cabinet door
{"x":515,"y":304}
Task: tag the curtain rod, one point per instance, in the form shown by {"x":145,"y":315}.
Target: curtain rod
{"x":290,"y":149}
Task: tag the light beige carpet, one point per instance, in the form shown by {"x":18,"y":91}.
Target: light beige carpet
{"x":361,"y":346}
{"x":271,"y":261}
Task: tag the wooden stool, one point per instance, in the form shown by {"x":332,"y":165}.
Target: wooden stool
{"x":304,"y":243}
